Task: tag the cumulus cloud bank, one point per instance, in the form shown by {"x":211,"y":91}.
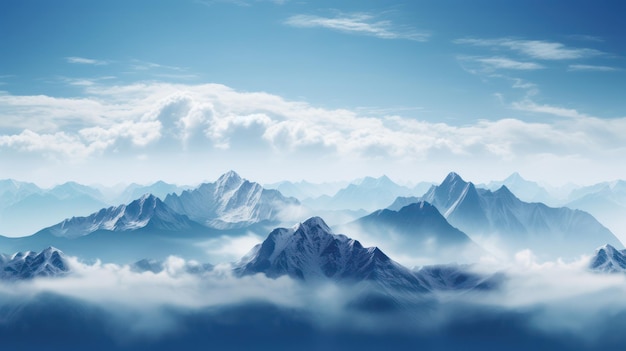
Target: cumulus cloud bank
{"x":140,"y":115}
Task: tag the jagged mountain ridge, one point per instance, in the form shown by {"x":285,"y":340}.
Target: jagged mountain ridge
{"x":26,"y":265}
{"x":553,"y":232}
{"x":230,"y":202}
{"x":525,"y":190}
{"x":147,"y":211}
{"x":368,"y":193}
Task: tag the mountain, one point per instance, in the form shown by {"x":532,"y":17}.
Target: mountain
{"x":606,"y":201}
{"x":26,"y":265}
{"x":515,"y":224}
{"x":417,"y":230}
{"x":145,"y":227}
{"x":368,"y":194}
{"x":231,"y":202}
{"x":311,"y":252}
{"x":524,"y":189}
{"x":617,"y":187}
{"x":305,"y":190}
{"x":146,"y":212}
{"x":12,"y":191}
{"x":49,"y":206}
{"x":159,"y":189}
{"x":608,"y":259}
{"x":70,"y":190}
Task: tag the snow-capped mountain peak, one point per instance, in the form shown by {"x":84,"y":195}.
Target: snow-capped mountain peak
{"x":229,"y":181}
{"x":311,"y":252}
{"x":230,"y":202}
{"x":608,"y":259}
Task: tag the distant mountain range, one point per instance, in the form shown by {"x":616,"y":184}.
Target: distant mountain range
{"x":304,"y":190}
{"x":500,"y":215}
{"x":443,"y":224}
{"x":606,"y":201}
{"x":525,"y":190}
{"x":367,"y":194}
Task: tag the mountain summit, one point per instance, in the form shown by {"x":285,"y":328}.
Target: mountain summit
{"x":416,"y":230}
{"x":230,"y":202}
{"x":608,"y":259}
{"x":311,"y":252}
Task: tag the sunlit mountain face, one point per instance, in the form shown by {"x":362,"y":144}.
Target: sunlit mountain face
{"x":280,"y":175}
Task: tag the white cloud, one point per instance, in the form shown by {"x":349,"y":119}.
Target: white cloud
{"x":506,"y":63}
{"x":196,"y":119}
{"x":591,"y":68}
{"x":85,"y":61}
{"x":537,"y":49}
{"x":530,"y":106}
{"x":358,"y":23}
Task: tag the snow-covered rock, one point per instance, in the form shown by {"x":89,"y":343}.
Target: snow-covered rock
{"x":50,"y":262}
{"x":146,"y":211}
{"x":231,"y":202}
{"x":608,"y":259}
{"x":311,"y":252}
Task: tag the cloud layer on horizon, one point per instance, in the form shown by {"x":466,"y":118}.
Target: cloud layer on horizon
{"x":152,"y":117}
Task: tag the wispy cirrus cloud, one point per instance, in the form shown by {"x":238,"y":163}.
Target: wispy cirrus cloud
{"x":537,"y":49}
{"x":530,"y":106}
{"x":592,"y":68}
{"x":507,"y":63}
{"x":358,"y":23}
{"x":85,"y":61}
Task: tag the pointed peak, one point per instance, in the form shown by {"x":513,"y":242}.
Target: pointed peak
{"x":514,"y":176}
{"x":147,"y":198}
{"x":504,"y":190}
{"x":230,"y":175}
{"x":384,"y":178}
{"x":51,"y":250}
{"x":229,"y":180}
{"x":315,"y":222}
{"x":420,"y":205}
{"x":371,"y":181}
{"x":606,"y":248}
{"x":453,"y":177}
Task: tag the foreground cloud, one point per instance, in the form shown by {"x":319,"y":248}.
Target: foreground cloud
{"x":541,"y":302}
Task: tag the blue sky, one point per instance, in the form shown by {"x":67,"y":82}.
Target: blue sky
{"x":311,"y":90}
